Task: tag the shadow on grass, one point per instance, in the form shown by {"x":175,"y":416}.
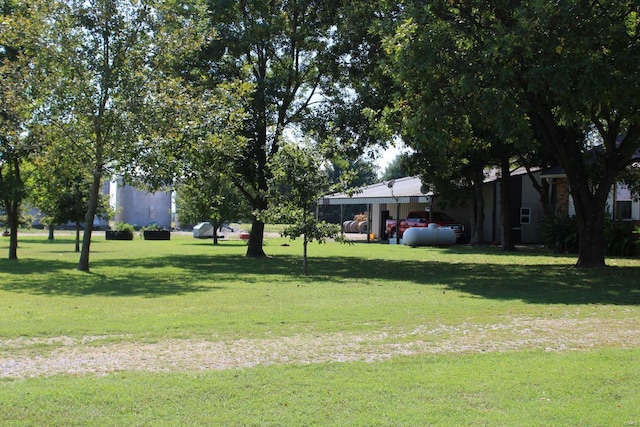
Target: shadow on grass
{"x":181,"y":274}
{"x":44,"y":277}
{"x":536,"y":284}
{"x":539,"y":284}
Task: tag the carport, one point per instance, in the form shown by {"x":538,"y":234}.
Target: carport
{"x":399,"y":195}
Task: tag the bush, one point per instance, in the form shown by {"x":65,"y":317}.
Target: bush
{"x":123,"y":226}
{"x":560,"y":235}
{"x":153,"y":227}
{"x":618,"y":239}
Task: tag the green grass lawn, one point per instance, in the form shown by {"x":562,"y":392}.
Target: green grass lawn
{"x":196,"y":334}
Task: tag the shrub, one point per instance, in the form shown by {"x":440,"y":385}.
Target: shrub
{"x":560,"y":235}
{"x":123,"y":226}
{"x":618,"y":239}
{"x":153,"y":227}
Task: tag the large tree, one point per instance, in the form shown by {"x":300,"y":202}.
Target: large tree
{"x":19,"y":86}
{"x":438,"y":117}
{"x":282,"y":48}
{"x":109,"y":88}
{"x":568,"y":71}
{"x":576,"y":70}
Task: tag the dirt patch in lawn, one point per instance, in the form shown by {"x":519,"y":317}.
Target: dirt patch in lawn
{"x":33,"y":357}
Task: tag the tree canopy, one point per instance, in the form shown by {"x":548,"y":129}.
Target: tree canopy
{"x":209,"y":91}
{"x":60,"y":188}
{"x":281,"y":47}
{"x":566,"y":74}
{"x":298,"y":180}
{"x":108,"y":85}
{"x":20,"y":85}
{"x":209,"y":197}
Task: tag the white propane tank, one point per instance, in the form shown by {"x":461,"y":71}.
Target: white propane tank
{"x":432,"y":235}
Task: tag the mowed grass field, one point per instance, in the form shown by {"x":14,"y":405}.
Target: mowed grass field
{"x":182,"y":332}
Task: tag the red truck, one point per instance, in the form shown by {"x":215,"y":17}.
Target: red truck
{"x":422,"y":219}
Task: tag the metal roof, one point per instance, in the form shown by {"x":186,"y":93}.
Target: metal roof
{"x":401,"y":190}
{"x":554,"y":172}
{"x":494,"y":174}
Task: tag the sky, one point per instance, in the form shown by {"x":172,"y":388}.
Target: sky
{"x":387,"y":156}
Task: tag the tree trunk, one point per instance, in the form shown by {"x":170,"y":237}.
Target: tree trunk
{"x":591,"y":243}
{"x":216,"y":227}
{"x":477,"y":229}
{"x":51,"y":236}
{"x":83,"y":264}
{"x":304,"y":255}
{"x":506,"y":232}
{"x":77,"y":236}
{"x":13,"y":214}
{"x":589,"y":200}
{"x":12,"y":200}
{"x":256,"y":238}
{"x":590,"y":219}
{"x":567,"y":144}
{"x":543,"y":188}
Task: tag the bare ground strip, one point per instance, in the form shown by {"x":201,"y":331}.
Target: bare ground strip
{"x":86,"y":356}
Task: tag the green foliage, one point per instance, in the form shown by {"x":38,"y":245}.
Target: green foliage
{"x":397,"y":168}
{"x":152,"y":227}
{"x":209,"y":196}
{"x":123,"y":226}
{"x":351,"y":173}
{"x":296,"y":185}
{"x":472,"y":72}
{"x":560,"y":235}
{"x":359,"y":88}
{"x":24,"y":220}
{"x":618,"y":238}
{"x":630,"y":176}
{"x":20,"y":85}
{"x":283,"y":49}
{"x":110,"y":91}
{"x":61,"y":187}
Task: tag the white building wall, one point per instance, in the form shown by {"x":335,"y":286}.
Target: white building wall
{"x":141,"y":208}
{"x":531,"y":232}
{"x":621,"y":194}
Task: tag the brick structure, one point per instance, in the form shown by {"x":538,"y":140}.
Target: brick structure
{"x":562,"y":196}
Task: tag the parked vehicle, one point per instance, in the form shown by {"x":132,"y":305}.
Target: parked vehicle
{"x":423,"y":219}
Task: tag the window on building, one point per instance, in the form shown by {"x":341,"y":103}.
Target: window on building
{"x":525,"y":215}
{"x":623,"y":210}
